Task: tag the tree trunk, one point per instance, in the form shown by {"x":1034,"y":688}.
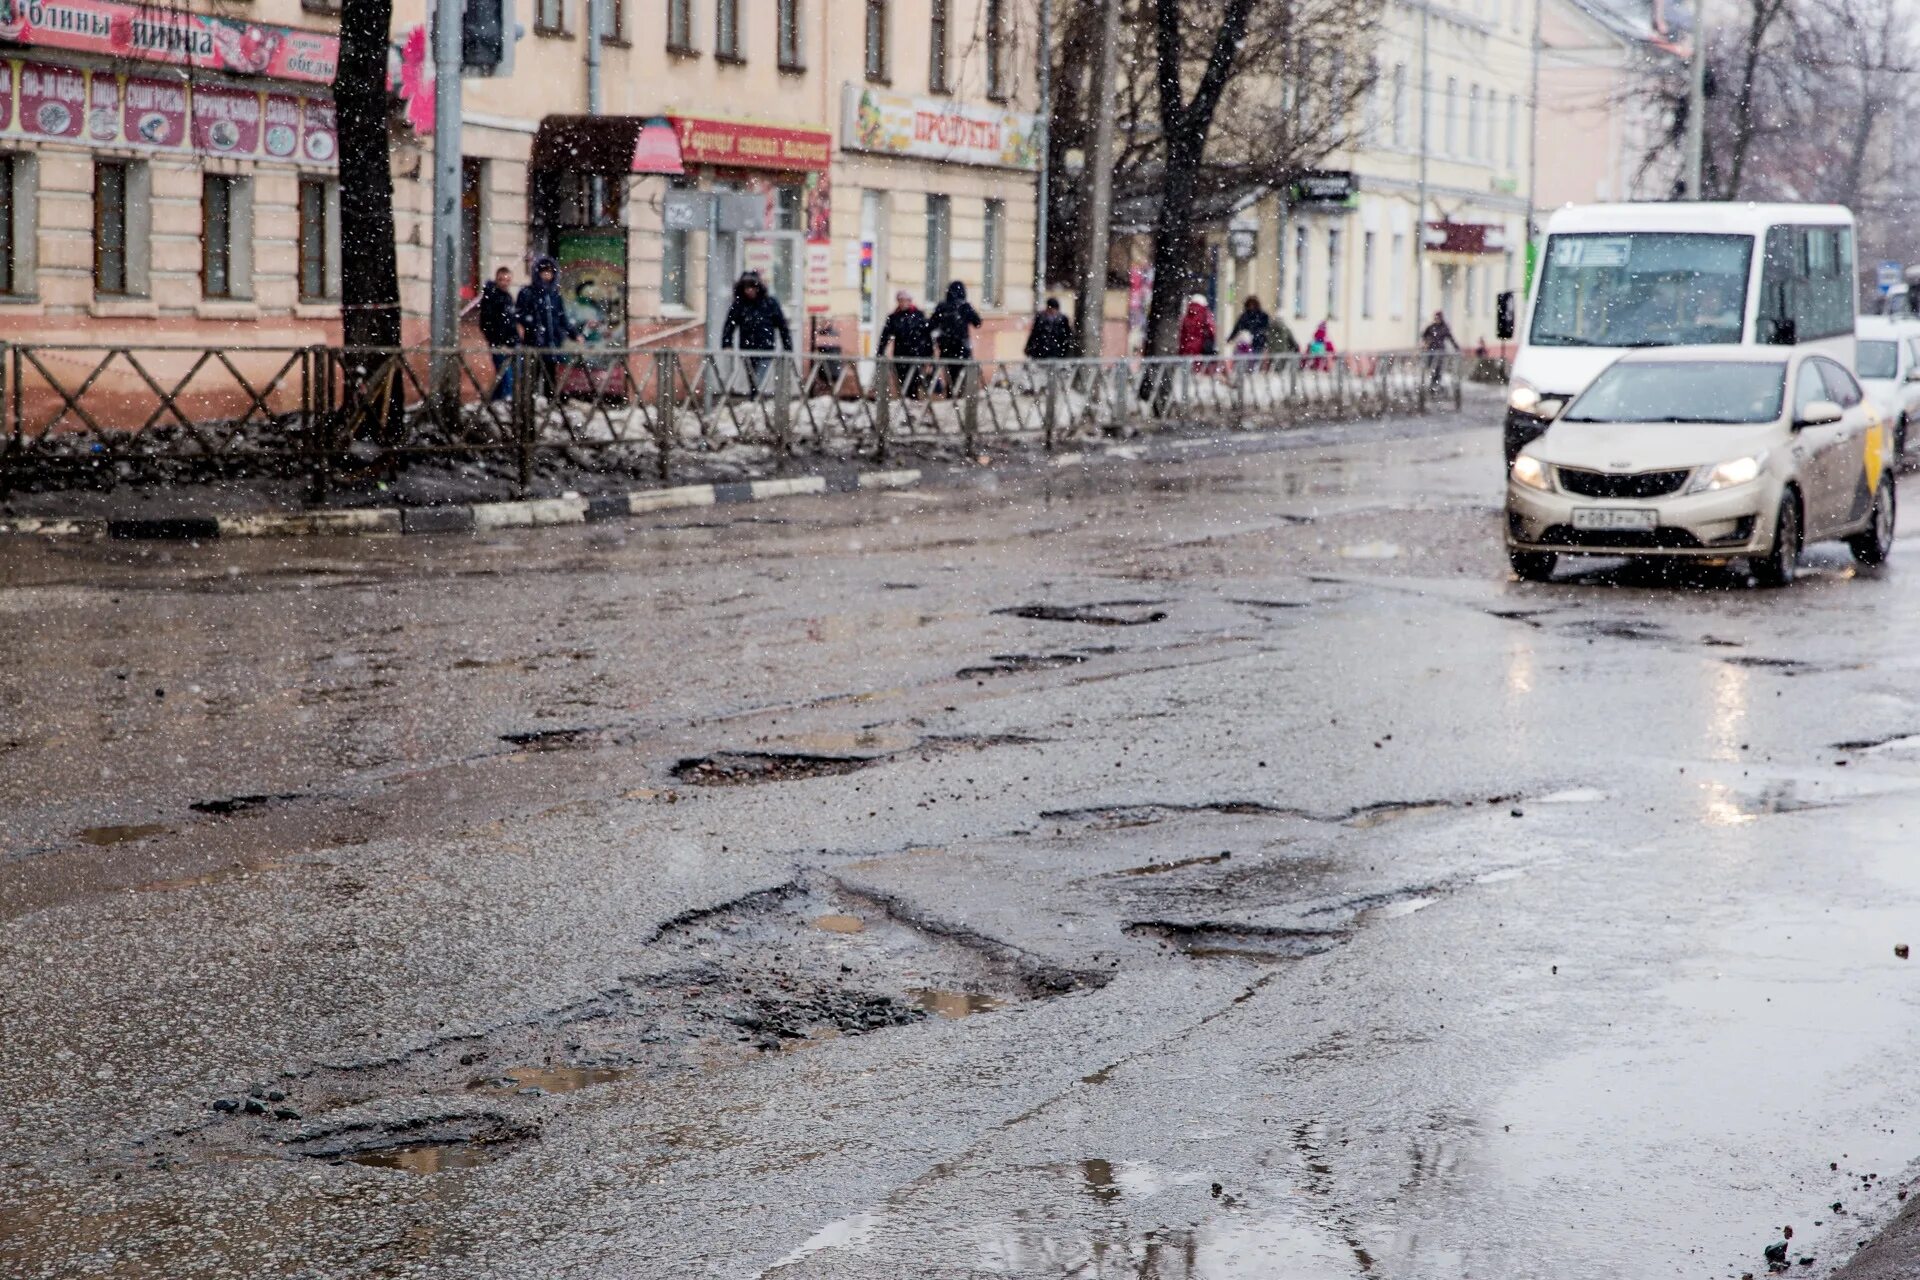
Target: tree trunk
{"x":369,"y":267}
{"x":1175,"y":256}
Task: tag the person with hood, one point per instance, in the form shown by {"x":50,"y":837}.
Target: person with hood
{"x":953,"y":323}
{"x":1434,"y":340}
{"x":500,"y":326}
{"x":910,"y":336}
{"x":1196,"y":330}
{"x":544,"y":323}
{"x":1321,"y":348}
{"x":1052,"y":334}
{"x":756,"y":318}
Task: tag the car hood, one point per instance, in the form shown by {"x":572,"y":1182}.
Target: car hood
{"x":1651,"y":446}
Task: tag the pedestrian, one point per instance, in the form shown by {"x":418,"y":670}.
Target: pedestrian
{"x":1434,"y":340}
{"x":1051,"y":337}
{"x":500,"y":326}
{"x":545,"y":325}
{"x":1321,"y":350}
{"x":910,"y":335}
{"x":756,"y":319}
{"x":1197,"y":331}
{"x":954,"y":321}
{"x":1256,"y":324}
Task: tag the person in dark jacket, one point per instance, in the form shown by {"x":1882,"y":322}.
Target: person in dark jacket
{"x":544,"y":323}
{"x":953,"y":323}
{"x":756,"y":319}
{"x":1255,"y":323}
{"x":911,"y":338}
{"x":1052,"y":335}
{"x":1434,"y":340}
{"x":500,"y":326}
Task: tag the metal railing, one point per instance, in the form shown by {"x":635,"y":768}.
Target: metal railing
{"x":103,"y":414}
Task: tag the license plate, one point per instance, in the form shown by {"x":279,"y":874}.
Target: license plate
{"x":1639,"y":519}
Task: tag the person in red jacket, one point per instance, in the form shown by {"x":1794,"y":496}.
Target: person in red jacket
{"x":1196,"y":330}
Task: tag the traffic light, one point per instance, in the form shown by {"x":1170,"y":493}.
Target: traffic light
{"x":1503,"y":316}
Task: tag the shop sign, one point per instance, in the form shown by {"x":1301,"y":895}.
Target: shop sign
{"x":6,"y":94}
{"x":818,"y":282}
{"x":226,"y":121}
{"x":735,"y":145}
{"x":319,"y":131}
{"x":1466,"y":237}
{"x":940,"y":129}
{"x":593,"y":282}
{"x":155,"y":112}
{"x":173,"y":36}
{"x":52,"y":100}
{"x":1323,"y":187}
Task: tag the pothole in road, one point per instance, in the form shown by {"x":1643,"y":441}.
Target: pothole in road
{"x":1214,"y":940}
{"x":104,"y":837}
{"x":227,"y":806}
{"x":1013,"y":664}
{"x":552,"y":739}
{"x":740,"y":768}
{"x":1109,"y":613}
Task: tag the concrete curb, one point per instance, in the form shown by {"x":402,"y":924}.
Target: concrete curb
{"x":475,"y":517}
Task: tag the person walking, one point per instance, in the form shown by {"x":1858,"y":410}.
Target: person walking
{"x":1197,"y":336}
{"x":500,"y":326}
{"x":1434,"y":340}
{"x":1321,"y":350}
{"x":544,"y":323}
{"x":954,"y":321}
{"x":757,"y":320}
{"x":1256,"y":324}
{"x":1051,"y":337}
{"x":910,"y":335}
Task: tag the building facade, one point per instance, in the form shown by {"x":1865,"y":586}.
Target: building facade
{"x":181,"y":166}
{"x":1598,"y":123}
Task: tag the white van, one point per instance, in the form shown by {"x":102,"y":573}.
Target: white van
{"x":1616,"y":277}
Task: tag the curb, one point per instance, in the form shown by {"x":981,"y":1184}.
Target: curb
{"x":478,"y":517}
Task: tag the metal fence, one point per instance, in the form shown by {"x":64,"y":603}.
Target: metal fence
{"x":78,"y":414}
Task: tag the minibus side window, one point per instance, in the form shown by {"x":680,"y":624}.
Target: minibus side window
{"x":1773,"y":318}
{"x":1806,"y":286}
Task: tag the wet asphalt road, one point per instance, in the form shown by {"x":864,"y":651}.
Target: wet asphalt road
{"x":1208,"y":868}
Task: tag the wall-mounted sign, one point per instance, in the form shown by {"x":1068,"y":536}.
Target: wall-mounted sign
{"x":939,"y":129}
{"x":735,"y":145}
{"x":148,"y":33}
{"x":53,"y":100}
{"x":1323,"y":187}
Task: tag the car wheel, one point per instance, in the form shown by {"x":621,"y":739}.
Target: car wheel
{"x":1778,"y":567}
{"x":1873,"y":544}
{"x":1532,"y":566}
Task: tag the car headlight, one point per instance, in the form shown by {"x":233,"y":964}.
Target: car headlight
{"x":1531,"y":472}
{"x":1524,"y":397}
{"x":1729,"y":475}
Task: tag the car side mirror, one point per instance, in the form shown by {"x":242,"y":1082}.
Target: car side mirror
{"x":1913,"y":374}
{"x":1819,"y":413}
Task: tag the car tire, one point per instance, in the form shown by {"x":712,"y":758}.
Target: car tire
{"x":1873,"y":544}
{"x":1532,"y":566}
{"x":1778,"y":567}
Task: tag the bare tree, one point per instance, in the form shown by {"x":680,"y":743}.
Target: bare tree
{"x":369,"y":267}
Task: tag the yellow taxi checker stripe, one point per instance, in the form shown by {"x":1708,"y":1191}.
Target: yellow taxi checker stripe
{"x":1875,"y":459}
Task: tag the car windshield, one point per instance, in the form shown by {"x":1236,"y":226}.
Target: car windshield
{"x":1642,"y":289}
{"x":1878,"y":360}
{"x":1690,"y":391}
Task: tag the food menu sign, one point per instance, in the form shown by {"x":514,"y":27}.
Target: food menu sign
{"x":939,"y":129}
{"x":171,"y":36}
{"x":105,"y":108}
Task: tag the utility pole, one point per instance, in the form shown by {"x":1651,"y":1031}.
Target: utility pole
{"x":1043,"y":194}
{"x":1420,"y":216}
{"x":1533,"y":166}
{"x":447,"y":58}
{"x":1694,"y":164}
{"x":1093,"y":270}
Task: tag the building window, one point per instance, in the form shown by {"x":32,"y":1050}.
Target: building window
{"x":1400,"y":104}
{"x":9,"y":266}
{"x":1426,"y":110}
{"x":994,"y":254}
{"x":673,"y":260}
{"x":939,"y":244}
{"x":1333,"y":272}
{"x":679,"y":25}
{"x":726,"y":30}
{"x":473,"y":199}
{"x":877,"y":40}
{"x":1450,"y":118}
{"x":613,"y":21}
{"x":319,"y":240}
{"x":216,"y":235}
{"x":1473,"y":293}
{"x":1366,"y":275}
{"x":1513,"y":130}
{"x":939,"y":36}
{"x":791,"y":51}
{"x":997,"y":50}
{"x":1397,"y":277}
{"x":1473,"y":122}
{"x":111,"y":196}
{"x":550,"y":17}
{"x":1299,"y":273}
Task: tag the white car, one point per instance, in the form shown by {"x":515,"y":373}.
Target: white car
{"x":1708,"y":452}
{"x":1888,"y":361}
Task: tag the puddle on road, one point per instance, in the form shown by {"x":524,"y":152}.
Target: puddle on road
{"x":432,"y":1157}
{"x":1265,"y":944}
{"x":840,"y":923}
{"x":955,"y":1004}
{"x":1109,"y":613}
{"x":552,"y":1079}
{"x":739,"y":768}
{"x":101,"y":837}
{"x":1162,"y":868}
{"x":1573,"y":795}
{"x":1393,"y":910}
{"x":1008,"y":664}
{"x":1383,"y":814}
{"x":227,"y":806}
{"x":1725,"y":807}
{"x":856,"y":743}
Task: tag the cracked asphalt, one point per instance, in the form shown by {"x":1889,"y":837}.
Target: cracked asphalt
{"x":1198,"y":860}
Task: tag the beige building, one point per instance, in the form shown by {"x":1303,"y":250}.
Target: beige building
{"x":1597,"y":122}
{"x":863,"y":145}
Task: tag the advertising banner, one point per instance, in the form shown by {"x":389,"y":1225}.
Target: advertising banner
{"x":593,"y":282}
{"x":732,"y":144}
{"x":171,"y":36}
{"x":940,"y":129}
{"x":319,"y":131}
{"x":156,"y":112}
{"x":53,"y":100}
{"x":226,"y":121}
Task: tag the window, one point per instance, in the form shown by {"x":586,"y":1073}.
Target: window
{"x":1809,"y":388}
{"x":1397,"y":277}
{"x":679,"y":24}
{"x":997,"y":50}
{"x":994,"y":253}
{"x":319,"y":240}
{"x":1300,"y":273}
{"x":473,"y":187}
{"x":1426,"y":111}
{"x":1366,"y":275}
{"x":1473,"y":122}
{"x":726,"y":30}
{"x":673,"y":261}
{"x":1806,"y":285}
{"x":1841,"y":387}
{"x":877,"y":63}
{"x":1450,"y":117}
{"x":1646,"y":288}
{"x":1400,"y":104}
{"x":939,"y":243}
{"x":791,"y":50}
{"x":1513,"y":130}
{"x":216,"y":235}
{"x":9,"y":273}
{"x":940,"y":23}
{"x":1333,"y":272}
{"x":1473,"y":292}
{"x":550,"y":17}
{"x":111,"y":196}
{"x":613,"y":21}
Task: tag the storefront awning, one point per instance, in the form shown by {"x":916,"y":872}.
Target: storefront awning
{"x":1465,"y":237}
{"x":668,"y":144}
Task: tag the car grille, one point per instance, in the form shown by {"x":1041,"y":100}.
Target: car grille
{"x":1634,"y":484}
